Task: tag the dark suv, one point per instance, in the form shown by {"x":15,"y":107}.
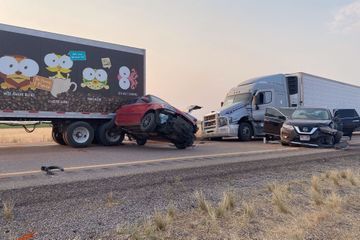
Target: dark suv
{"x":350,"y":120}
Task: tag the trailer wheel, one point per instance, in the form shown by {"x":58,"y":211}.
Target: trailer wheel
{"x":148,"y":122}
{"x":57,"y":137}
{"x":106,"y":137}
{"x":79,"y":134}
{"x":245,"y":131}
{"x":141,"y":141}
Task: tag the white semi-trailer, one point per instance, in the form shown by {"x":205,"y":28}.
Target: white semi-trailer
{"x":75,"y":83}
{"x":242,"y":112}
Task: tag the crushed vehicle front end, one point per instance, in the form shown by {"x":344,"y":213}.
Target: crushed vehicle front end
{"x":309,"y":136}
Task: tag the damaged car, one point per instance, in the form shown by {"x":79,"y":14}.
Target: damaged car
{"x":150,"y":117}
{"x":303,"y":126}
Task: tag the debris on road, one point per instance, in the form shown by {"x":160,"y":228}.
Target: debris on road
{"x":50,"y":169}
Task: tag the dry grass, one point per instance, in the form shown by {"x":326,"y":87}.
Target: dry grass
{"x":334,"y":208}
{"x":8,"y":209}
{"x":334,"y":202}
{"x":227,"y":204}
{"x":349,"y":175}
{"x":315,"y":193}
{"x":204,"y":205}
{"x":249,"y":210}
{"x":280,"y":195}
{"x":160,"y":221}
{"x":317,"y":197}
{"x":315,"y":183}
{"x":18,"y":135}
{"x":110,"y":200}
{"x":334,"y":176}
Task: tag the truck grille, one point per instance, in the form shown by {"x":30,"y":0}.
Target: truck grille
{"x":210,"y":121}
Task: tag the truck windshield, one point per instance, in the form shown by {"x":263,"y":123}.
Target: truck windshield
{"x":311,"y":114}
{"x":242,"y":97}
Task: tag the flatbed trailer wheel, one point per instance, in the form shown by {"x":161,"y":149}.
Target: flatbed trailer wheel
{"x":57,"y":136}
{"x":79,"y":134}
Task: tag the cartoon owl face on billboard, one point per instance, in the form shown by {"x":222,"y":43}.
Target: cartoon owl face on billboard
{"x":17,"y":72}
{"x":95,"y":79}
{"x":59,"y":64}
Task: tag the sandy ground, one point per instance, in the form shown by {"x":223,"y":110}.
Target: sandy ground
{"x":18,"y":135}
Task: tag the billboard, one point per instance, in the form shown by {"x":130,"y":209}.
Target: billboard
{"x":38,"y":73}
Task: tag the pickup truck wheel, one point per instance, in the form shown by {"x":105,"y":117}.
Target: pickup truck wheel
{"x":245,"y":131}
{"x":106,"y":137}
{"x":79,"y":134}
{"x":57,"y":137}
{"x":148,"y":122}
{"x":141,"y":141}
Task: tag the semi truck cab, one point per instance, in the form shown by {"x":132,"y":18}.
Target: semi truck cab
{"x":242,"y":112}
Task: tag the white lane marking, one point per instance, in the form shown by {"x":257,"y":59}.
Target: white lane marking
{"x":2,"y":175}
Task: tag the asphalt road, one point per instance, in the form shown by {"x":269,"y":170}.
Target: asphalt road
{"x":20,"y":165}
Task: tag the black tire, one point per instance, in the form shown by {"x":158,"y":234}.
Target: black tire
{"x":184,"y":132}
{"x":57,"y":136}
{"x":148,"y":122}
{"x":79,"y":134}
{"x":180,"y":145}
{"x":141,"y":141}
{"x":245,"y":132}
{"x":106,"y":137}
{"x":216,"y":139}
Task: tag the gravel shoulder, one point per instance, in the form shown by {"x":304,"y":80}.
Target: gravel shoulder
{"x":93,"y":209}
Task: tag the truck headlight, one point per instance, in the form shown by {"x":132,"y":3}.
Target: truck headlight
{"x":222,"y":121}
{"x":288,"y":126}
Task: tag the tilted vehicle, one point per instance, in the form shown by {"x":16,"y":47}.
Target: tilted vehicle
{"x":242,"y":112}
{"x":303,"y":126}
{"x":150,"y":117}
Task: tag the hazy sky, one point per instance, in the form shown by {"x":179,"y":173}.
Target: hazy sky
{"x":198,"y":49}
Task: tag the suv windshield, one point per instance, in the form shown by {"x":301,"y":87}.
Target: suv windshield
{"x":242,"y":97}
{"x":311,"y":114}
